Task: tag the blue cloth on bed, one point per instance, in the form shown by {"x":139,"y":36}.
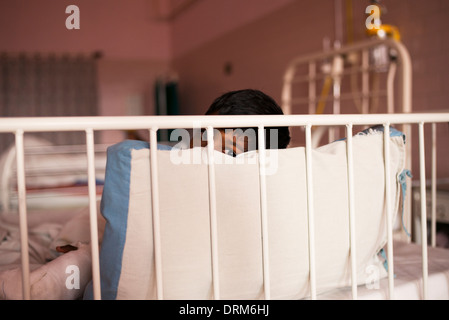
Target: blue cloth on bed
{"x":393,"y":131}
{"x":402,"y":180}
{"x":380,"y":128}
{"x":402,"y":177}
{"x":117,"y":183}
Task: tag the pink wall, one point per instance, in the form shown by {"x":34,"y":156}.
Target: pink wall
{"x":423,"y":26}
{"x":256,"y":38}
{"x":115,"y":27}
{"x":135,"y":47}
{"x":126,"y":88}
{"x":210,"y":19}
{"x":258,"y":52}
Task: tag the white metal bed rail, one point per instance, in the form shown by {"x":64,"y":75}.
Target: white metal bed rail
{"x":335,"y":58}
{"x":7,"y":194}
{"x":89,"y":125}
{"x":351,"y":60}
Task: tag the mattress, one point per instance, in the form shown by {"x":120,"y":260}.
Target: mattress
{"x":408,"y":277}
{"x":54,"y":198}
{"x":47,"y":226}
{"x":49,"y":269}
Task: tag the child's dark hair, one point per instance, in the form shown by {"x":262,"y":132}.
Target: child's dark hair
{"x":251,"y":102}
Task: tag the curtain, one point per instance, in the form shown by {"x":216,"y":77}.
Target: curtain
{"x":48,"y":85}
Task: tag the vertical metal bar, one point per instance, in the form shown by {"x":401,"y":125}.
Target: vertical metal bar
{"x":422,"y":173}
{"x":312,"y":87}
{"x":351,"y":198}
{"x":4,"y":182}
{"x":155,"y":213}
{"x":365,"y":81}
{"x":388,"y":211}
{"x":390,"y":87}
{"x":334,"y":131}
{"x":263,"y":207}
{"x":93,"y":214}
{"x":338,"y":25}
{"x":287,"y":90}
{"x":21,"y":186}
{"x":408,"y":193}
{"x":337,"y":95}
{"x":213,"y":212}
{"x":310,"y":211}
{"x":406,"y":84}
{"x":434,"y":185}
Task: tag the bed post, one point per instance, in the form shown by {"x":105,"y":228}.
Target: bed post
{"x":213,"y":212}
{"x":264,"y":218}
{"x":389,"y":214}
{"x":24,"y":252}
{"x":422,"y":176}
{"x":310,"y":211}
{"x":352,"y":213}
{"x":155,"y":210}
{"x":93,"y":214}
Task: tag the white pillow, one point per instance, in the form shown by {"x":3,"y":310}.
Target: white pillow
{"x":66,"y":275}
{"x":63,"y":278}
{"x":127,"y":262}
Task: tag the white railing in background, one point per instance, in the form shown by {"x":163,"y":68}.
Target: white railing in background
{"x":356,"y":62}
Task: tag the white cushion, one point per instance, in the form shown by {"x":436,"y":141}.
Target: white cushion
{"x":127,"y":261}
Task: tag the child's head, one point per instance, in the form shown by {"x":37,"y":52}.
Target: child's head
{"x":250,"y":102}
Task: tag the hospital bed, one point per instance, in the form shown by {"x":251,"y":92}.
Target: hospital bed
{"x":56,"y":174}
{"x":319,"y":221}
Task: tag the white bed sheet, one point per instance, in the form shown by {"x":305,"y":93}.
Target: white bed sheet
{"x":58,"y":228}
{"x":47,"y":229}
{"x":408,"y":277}
{"x":43,"y":227}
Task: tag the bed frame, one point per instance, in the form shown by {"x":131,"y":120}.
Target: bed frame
{"x":57,"y":176}
{"x":90,"y":125}
{"x":332,"y":77}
